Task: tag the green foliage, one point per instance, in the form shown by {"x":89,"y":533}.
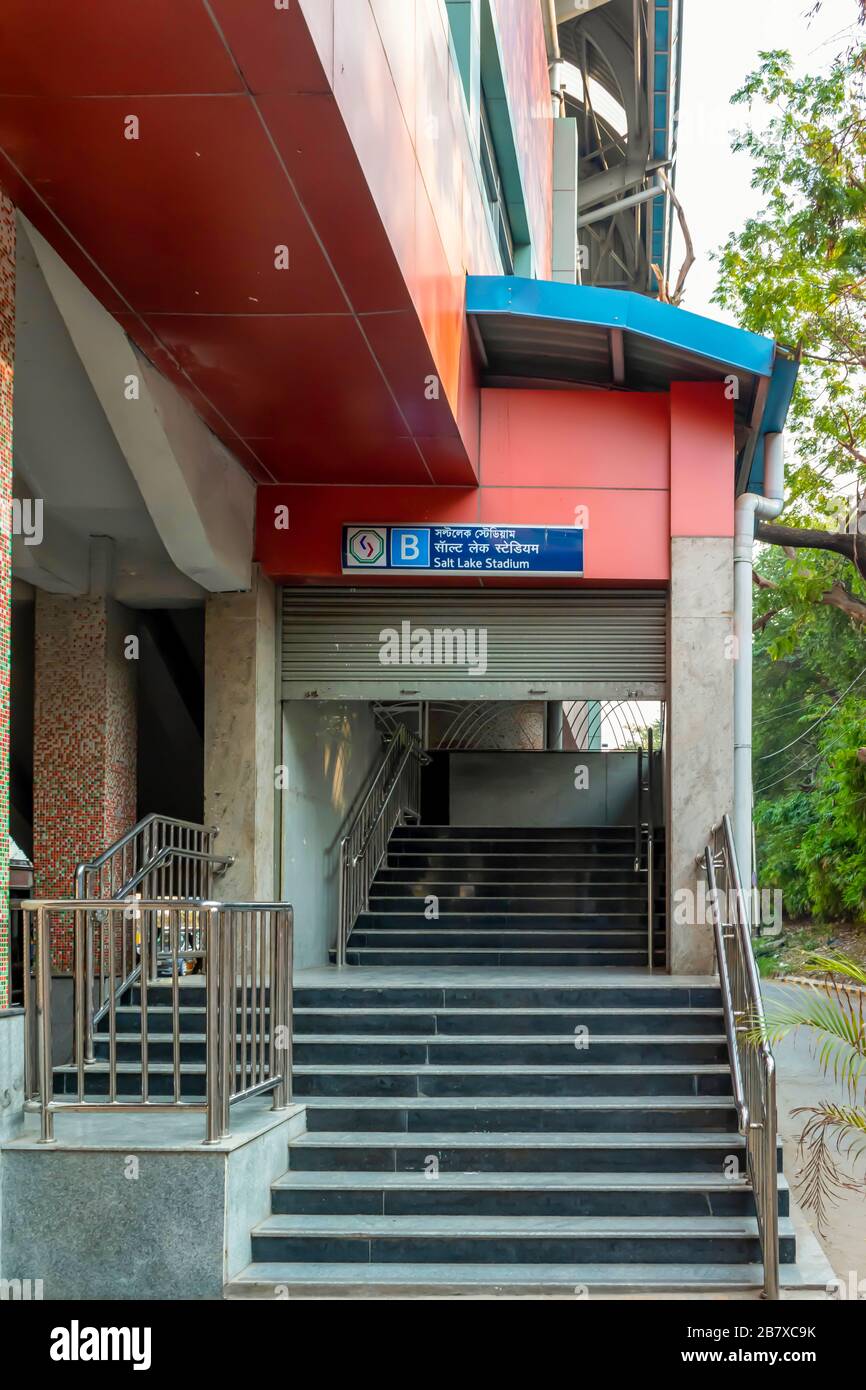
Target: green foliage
{"x":797,"y":270}
{"x":810,"y":798}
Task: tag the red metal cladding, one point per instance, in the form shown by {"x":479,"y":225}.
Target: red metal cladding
{"x":310,"y":361}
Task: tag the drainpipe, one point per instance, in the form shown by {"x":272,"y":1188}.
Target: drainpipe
{"x":750,"y":508}
{"x":555,"y":65}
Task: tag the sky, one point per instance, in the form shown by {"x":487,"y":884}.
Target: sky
{"x":721,"y":41}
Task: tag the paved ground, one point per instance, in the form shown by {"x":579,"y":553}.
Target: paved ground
{"x":802,"y":1082}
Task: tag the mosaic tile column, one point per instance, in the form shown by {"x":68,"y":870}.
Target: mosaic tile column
{"x":84,"y":743}
{"x":7,"y":361}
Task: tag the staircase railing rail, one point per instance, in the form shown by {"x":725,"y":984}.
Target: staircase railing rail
{"x":753,"y":1067}
{"x":393,"y":798}
{"x":160,"y":857}
{"x":644,"y":833}
{"x":243,"y":953}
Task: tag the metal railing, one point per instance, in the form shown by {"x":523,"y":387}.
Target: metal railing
{"x":170,"y":858}
{"x":753,"y":1068}
{"x":644,"y":833}
{"x":393,"y":795}
{"x":159,"y":858}
{"x":243,"y":952}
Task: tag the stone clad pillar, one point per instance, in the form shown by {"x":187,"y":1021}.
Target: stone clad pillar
{"x":85,"y":741}
{"x":240,"y":732}
{"x":7,"y":370}
{"x":699,"y":749}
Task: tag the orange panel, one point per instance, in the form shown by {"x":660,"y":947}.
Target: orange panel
{"x":626,"y":531}
{"x":563,"y":438}
{"x":703,"y":460}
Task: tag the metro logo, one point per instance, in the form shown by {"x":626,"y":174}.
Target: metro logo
{"x":366,"y":546}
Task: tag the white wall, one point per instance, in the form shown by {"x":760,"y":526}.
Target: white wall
{"x":329,"y":751}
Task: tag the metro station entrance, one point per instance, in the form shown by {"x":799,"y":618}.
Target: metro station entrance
{"x":476,"y":778}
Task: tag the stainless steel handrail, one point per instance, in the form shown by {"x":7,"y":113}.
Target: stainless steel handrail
{"x":638,"y":812}
{"x":650,"y":853}
{"x":645,"y":794}
{"x":753,"y":1067}
{"x":173,"y":859}
{"x":245,"y":953}
{"x":393,"y":795}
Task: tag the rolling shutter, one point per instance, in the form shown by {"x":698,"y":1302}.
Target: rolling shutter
{"x":539,"y":644}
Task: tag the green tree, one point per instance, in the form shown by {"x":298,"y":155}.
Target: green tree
{"x":797,"y":270}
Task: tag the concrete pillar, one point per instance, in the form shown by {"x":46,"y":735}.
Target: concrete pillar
{"x":567,"y":264}
{"x":240,"y":731}
{"x":700,"y":731}
{"x":554,"y":722}
{"x":84,"y":740}
{"x":7,"y":368}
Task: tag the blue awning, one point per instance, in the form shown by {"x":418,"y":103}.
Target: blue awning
{"x":563,"y":334}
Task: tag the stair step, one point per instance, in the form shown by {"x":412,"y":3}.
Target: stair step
{"x":491,"y":1081}
{"x":705,"y":1115}
{"x":515,"y":832}
{"x":590,"y":876}
{"x":410,"y":1280}
{"x":515,"y":1194}
{"x":433,"y":989}
{"x":476,"y":1049}
{"x":490,"y":936}
{"x":525,"y":1022}
{"x":586,"y":958}
{"x":518,"y":1239}
{"x":505,"y":1151}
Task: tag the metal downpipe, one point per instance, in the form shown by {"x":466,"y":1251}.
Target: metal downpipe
{"x":750,"y":508}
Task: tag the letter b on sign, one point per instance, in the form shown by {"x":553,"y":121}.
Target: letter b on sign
{"x":410,"y":549}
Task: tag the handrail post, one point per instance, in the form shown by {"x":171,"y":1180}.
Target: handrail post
{"x":637,"y":810}
{"x":771,"y":1200}
{"x":281,"y":1008}
{"x":650,"y":854}
{"x":43,"y":1011}
{"x":228,"y":1015}
{"x":753,"y":1067}
{"x":212,"y":1014}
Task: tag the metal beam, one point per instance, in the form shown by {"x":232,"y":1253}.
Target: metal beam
{"x":611,"y":209}
{"x":617,"y":356}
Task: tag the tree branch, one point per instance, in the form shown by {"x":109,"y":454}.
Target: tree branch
{"x":802,"y":538}
{"x":842,"y":598}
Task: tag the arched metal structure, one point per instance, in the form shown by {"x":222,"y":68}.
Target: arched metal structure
{"x":622,"y":62}
{"x":451,"y":725}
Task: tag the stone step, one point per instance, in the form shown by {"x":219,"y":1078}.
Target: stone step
{"x":527,"y":1151}
{"x":456,"y":1115}
{"x":501,"y":859}
{"x":525,"y":1022}
{"x":516,"y":1194}
{"x":488,"y":936}
{"x":477,"y":1049}
{"x":514,"y":1239}
{"x":591,"y":875}
{"x":487,"y":1081}
{"x":500,"y":832}
{"x":589,"y":958}
{"x":431,"y":1281}
{"x":438,"y":988}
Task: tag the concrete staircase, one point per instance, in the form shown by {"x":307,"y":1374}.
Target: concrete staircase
{"x":527,"y":1129}
{"x":448,"y":895}
{"x":464,"y":1138}
{"x":530,"y":1129}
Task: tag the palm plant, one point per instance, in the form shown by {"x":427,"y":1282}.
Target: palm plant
{"x":833,"y":1011}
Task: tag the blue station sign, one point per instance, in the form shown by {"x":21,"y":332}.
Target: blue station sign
{"x":555,"y":551}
